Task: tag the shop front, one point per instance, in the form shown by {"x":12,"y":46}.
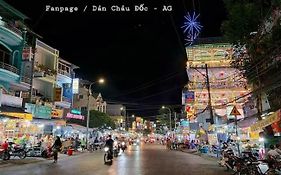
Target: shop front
{"x":16,"y":126}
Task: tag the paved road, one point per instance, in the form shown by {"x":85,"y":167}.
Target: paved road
{"x":141,"y":160}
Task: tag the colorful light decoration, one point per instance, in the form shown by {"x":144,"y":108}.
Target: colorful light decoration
{"x":191,"y":28}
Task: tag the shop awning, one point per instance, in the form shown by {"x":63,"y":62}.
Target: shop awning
{"x":276,"y":116}
{"x":25,"y":116}
{"x":8,"y":111}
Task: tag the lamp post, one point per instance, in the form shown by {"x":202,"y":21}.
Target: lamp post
{"x":170,"y":113}
{"x":125,"y":116}
{"x":100,"y":81}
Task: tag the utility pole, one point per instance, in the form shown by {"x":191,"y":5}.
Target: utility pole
{"x":175,"y":121}
{"x":209,"y":95}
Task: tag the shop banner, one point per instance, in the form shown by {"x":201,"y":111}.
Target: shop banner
{"x":57,"y":94}
{"x":276,"y":116}
{"x":74,"y":116}
{"x":188,"y":97}
{"x":57,"y":113}
{"x":38,"y":111}
{"x":67,"y":92}
{"x":24,"y":116}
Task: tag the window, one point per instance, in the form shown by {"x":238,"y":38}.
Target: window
{"x":80,"y":96}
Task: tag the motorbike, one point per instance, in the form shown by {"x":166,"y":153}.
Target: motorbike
{"x":17,"y":150}
{"x":47,"y":152}
{"x":123,"y":146}
{"x":4,"y":153}
{"x":107,"y":156}
{"x":34,"y":151}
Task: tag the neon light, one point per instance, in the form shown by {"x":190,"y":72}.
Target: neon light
{"x":191,"y":27}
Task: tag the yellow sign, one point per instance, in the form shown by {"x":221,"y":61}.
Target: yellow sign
{"x":57,"y":94}
{"x":235,"y":111}
{"x":265,"y":122}
{"x":25,"y":116}
{"x":57,"y":113}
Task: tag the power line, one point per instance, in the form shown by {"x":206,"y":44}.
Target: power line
{"x":150,"y":84}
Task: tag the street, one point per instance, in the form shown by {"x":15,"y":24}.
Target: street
{"x":139,"y":160}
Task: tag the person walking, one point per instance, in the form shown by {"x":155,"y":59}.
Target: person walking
{"x":56,"y":148}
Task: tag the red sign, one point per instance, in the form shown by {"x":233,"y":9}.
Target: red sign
{"x":27,"y":53}
{"x":75,"y":116}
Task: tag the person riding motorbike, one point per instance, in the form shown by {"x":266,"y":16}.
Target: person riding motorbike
{"x":109,"y":143}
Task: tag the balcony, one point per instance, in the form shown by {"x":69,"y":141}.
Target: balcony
{"x":11,"y":27}
{"x":10,"y":34}
{"x":9,"y":68}
{"x":63,"y":72}
{"x":25,"y":80}
{"x":42,"y":71}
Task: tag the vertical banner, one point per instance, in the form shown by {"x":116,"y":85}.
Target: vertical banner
{"x":57,"y":94}
{"x":75,"y":86}
{"x":67,"y":92}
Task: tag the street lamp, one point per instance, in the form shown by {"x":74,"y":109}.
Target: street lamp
{"x":125,"y":115}
{"x":164,"y":107}
{"x":100,"y":81}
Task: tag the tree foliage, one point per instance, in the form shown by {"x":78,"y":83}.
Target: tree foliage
{"x":97,"y":120}
{"x":253,"y":27}
{"x":254,"y":30}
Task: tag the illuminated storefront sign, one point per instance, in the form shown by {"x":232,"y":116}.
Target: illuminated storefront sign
{"x":24,"y":116}
{"x":74,"y":116}
{"x":75,"y":111}
{"x":267,"y":121}
{"x":57,"y":113}
{"x":75,"y":86}
{"x":39,"y":111}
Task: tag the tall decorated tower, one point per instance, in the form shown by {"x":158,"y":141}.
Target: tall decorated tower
{"x":214,"y":86}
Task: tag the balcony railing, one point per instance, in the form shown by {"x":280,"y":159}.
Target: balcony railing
{"x":9,"y":67}
{"x":26,"y":80}
{"x":10,"y":27}
{"x":63,"y":72}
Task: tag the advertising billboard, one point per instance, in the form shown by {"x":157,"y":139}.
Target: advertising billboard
{"x":75,"y":86}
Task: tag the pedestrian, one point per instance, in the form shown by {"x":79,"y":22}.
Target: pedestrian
{"x":83,"y":144}
{"x":56,"y":148}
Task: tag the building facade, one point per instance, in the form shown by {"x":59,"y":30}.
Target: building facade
{"x":227,"y":86}
{"x":12,"y":42}
{"x":80,"y":100}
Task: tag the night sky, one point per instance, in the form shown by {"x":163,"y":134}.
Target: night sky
{"x":140,"y":54}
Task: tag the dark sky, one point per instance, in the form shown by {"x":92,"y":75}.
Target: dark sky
{"x":141,"y":55}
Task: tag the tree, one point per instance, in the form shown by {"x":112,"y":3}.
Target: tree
{"x":254,"y":30}
{"x":97,"y":120}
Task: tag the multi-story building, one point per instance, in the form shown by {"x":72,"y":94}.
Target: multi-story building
{"x":80,"y":100}
{"x":45,"y":72}
{"x":227,"y":86}
{"x":63,"y":91}
{"x":14,"y":79}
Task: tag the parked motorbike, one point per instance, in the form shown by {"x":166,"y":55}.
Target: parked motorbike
{"x":16,"y":150}
{"x":34,"y":151}
{"x":47,"y":152}
{"x":4,"y":153}
{"x":107,"y":156}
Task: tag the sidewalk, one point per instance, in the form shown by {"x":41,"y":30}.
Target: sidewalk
{"x":205,"y":155}
{"x":29,"y":160}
